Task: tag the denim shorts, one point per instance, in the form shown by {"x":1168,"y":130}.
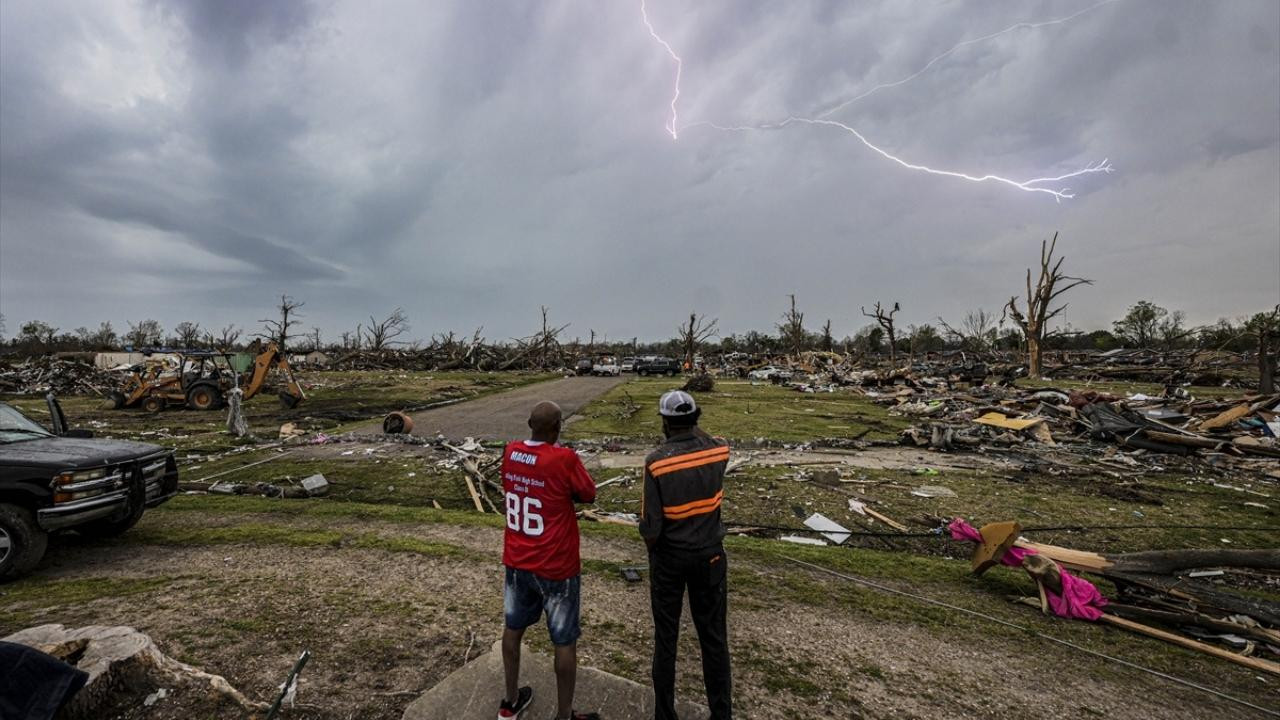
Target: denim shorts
{"x":526,"y":596}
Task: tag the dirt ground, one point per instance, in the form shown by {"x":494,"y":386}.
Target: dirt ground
{"x":391,"y":597}
{"x":383,"y":625}
{"x":504,"y":416}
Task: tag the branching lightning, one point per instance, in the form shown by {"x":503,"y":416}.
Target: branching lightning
{"x":1033,"y":185}
{"x":672,"y":127}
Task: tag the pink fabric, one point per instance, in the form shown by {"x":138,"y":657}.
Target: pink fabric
{"x":1079,"y":598}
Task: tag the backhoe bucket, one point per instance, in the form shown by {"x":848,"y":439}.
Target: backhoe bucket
{"x":289,"y":400}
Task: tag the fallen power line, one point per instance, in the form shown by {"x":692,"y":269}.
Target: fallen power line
{"x":1037,"y":633}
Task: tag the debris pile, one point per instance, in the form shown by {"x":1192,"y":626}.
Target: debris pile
{"x":44,"y":374}
{"x":1188,"y":594}
{"x":988,"y":417}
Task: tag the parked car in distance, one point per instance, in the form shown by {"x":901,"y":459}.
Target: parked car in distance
{"x":606,"y":368}
{"x":769,"y":372}
{"x":657,"y":366}
{"x":628,"y":364}
{"x":583,"y":366}
{"x":62,"y":479}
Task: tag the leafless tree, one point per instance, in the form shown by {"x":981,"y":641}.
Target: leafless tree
{"x":144,"y":333}
{"x":313,"y":338}
{"x":692,"y":334}
{"x":977,"y":332}
{"x":384,"y":333}
{"x":188,"y":334}
{"x":1265,"y":327}
{"x":228,"y":336}
{"x":791,"y":329}
{"x":1051,"y":284}
{"x":279,"y":330}
{"x":827,"y":343}
{"x":885,"y":320}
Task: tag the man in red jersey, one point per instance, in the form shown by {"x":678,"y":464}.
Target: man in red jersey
{"x":541,"y":481}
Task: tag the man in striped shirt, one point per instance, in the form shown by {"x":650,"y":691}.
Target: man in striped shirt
{"x":680,"y":522}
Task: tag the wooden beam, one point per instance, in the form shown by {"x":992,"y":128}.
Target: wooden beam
{"x":1252,"y":663}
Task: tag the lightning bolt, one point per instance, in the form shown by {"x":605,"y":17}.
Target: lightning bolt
{"x":672,"y":127}
{"x":1034,"y":185}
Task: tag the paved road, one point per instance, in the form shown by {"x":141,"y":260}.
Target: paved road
{"x":505,"y":416}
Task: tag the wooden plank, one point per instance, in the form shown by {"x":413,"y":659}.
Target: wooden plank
{"x":1250,"y":662}
{"x":1227,"y":417}
{"x":1072,"y":559}
{"x":475,"y":496}
{"x":886,"y":520}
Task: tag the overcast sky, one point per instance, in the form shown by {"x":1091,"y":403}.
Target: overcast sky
{"x":471,"y":161}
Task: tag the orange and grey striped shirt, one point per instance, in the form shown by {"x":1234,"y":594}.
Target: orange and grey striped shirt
{"x":683,"y":489}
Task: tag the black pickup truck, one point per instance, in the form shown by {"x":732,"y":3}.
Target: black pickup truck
{"x":64,"y":479}
{"x":657,"y":366}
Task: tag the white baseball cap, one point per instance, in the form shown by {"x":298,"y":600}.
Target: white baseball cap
{"x":677,"y":403}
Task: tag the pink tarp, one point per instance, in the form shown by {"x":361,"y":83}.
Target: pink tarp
{"x":1079,"y":598}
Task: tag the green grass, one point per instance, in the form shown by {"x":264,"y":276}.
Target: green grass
{"x":20,"y":600}
{"x":739,"y":410}
{"x":336,"y":401}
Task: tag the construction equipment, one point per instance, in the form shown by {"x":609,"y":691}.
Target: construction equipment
{"x":201,"y":379}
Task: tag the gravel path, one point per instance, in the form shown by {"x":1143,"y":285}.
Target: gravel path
{"x":504,"y":416}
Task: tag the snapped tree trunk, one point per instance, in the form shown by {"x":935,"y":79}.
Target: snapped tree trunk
{"x":1266,"y":363}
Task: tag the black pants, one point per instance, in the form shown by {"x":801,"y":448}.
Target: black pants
{"x":705,"y":575}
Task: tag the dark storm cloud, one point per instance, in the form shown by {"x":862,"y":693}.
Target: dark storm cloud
{"x":471,"y":161}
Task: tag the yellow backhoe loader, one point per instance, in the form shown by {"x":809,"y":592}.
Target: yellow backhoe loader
{"x":200,"y":380}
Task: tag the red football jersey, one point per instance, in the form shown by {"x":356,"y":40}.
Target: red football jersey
{"x":541,"y":483}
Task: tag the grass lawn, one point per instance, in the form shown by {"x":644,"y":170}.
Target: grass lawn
{"x":738,"y":410}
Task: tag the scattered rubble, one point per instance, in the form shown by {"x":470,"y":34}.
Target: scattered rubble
{"x":45,"y":374}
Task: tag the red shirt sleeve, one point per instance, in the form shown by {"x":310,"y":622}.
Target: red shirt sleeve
{"x":580,"y":482}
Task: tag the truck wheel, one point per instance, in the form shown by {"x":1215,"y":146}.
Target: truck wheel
{"x":115,"y":399}
{"x":22,"y":542}
{"x":153,"y":404}
{"x":642,"y":373}
{"x":204,"y":397}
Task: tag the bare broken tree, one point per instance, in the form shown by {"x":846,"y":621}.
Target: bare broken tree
{"x":885,"y":320}
{"x":384,"y":333}
{"x":188,"y":334}
{"x":697,"y":331}
{"x":976,"y":333}
{"x":1265,"y":327}
{"x":791,"y":329}
{"x":1034,"y":322}
{"x":228,"y":336}
{"x":278,"y":330}
{"x":541,"y":350}
{"x":827,"y":343}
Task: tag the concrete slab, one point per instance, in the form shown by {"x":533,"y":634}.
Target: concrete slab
{"x":473,"y":692}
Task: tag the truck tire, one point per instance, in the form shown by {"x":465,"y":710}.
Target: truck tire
{"x":115,"y":399}
{"x":204,"y":396}
{"x":152,"y":404}
{"x":22,"y":542}
{"x":642,"y":373}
